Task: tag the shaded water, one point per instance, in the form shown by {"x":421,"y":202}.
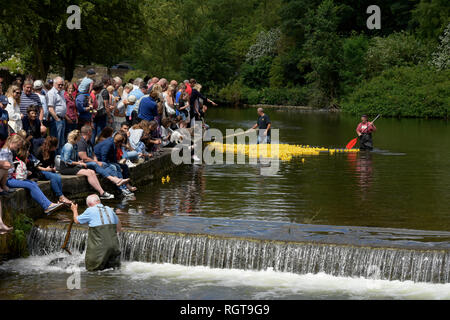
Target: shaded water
{"x":404,"y":184}
{"x":394,"y":200}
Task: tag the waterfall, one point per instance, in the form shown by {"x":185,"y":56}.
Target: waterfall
{"x":251,"y":254}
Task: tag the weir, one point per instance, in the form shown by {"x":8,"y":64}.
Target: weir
{"x":345,"y":260}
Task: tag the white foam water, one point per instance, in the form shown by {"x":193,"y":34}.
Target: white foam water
{"x":267,"y":284}
{"x":274,"y":285}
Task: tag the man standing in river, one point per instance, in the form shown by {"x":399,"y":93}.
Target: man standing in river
{"x":263,"y":124}
{"x":364,"y":131}
{"x":103,"y":244}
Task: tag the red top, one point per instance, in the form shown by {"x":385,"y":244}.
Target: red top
{"x":188,"y":89}
{"x":71,"y":107}
{"x":365,"y":128}
{"x":119,"y":154}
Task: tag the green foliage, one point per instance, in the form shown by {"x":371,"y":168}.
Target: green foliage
{"x":353,"y":66}
{"x":15,"y":64}
{"x":255,"y":73}
{"x":441,"y":58}
{"x":418,"y":91}
{"x":276,"y":73}
{"x":18,"y":242}
{"x":236,"y":93}
{"x":323,"y":48}
{"x":432,"y":16}
{"x":209,"y":60}
{"x":39,"y":27}
{"x":397,"y":49}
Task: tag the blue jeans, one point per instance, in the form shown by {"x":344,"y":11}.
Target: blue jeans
{"x":55,"y":182}
{"x":36,"y":193}
{"x":264,"y":139}
{"x":130,"y":155}
{"x":105,"y":171}
{"x":121,"y":169}
{"x":58,"y":130}
{"x":99,"y":125}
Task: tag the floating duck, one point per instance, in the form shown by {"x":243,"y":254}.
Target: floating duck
{"x":284,"y":152}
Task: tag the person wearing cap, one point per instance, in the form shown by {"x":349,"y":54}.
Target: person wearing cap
{"x":364,"y":132}
{"x":38,"y":87}
{"x":87,"y":83}
{"x":4,"y":118}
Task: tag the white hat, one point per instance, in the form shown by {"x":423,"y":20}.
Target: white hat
{"x":38,"y":84}
{"x":131,"y":99}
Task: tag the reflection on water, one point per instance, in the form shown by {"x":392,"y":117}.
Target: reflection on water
{"x":362,"y":166}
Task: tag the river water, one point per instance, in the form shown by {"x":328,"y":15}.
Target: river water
{"x":396,"y":196}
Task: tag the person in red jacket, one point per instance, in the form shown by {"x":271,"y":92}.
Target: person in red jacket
{"x":364,"y":132}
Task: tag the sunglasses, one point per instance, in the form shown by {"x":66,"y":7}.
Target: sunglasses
{"x":61,"y":85}
{"x":16,"y":91}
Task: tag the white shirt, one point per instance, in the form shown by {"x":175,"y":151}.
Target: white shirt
{"x":15,"y":117}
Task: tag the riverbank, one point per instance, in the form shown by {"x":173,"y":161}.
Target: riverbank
{"x":19,"y":208}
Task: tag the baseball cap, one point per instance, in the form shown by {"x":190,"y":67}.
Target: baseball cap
{"x":3,"y":100}
{"x":131,"y":99}
{"x":38,"y":84}
{"x":90,"y":72}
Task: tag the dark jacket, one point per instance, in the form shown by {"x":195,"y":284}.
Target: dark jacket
{"x":35,"y":130}
{"x":106,"y":151}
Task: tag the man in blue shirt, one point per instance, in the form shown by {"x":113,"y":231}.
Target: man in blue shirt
{"x":148,"y":109}
{"x":84,"y":109}
{"x":103,"y":251}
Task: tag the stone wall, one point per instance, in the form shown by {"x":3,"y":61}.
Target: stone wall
{"x":75,"y":188}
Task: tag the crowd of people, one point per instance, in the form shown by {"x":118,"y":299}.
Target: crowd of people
{"x":56,"y":127}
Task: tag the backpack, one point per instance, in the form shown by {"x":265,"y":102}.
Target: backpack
{"x":101,"y":110}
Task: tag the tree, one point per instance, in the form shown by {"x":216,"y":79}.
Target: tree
{"x":40,"y":26}
{"x":441,"y":58}
{"x":432,"y":16}
{"x":323,"y":48}
{"x":208,"y":59}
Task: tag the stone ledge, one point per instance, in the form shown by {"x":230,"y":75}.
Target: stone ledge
{"x":77,"y":188}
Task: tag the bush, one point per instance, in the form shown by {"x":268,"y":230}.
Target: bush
{"x":398,"y":49}
{"x":236,"y":93}
{"x":255,"y":73}
{"x":418,"y":91}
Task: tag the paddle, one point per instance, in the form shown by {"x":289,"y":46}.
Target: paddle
{"x":352,"y":143}
{"x":66,"y":240}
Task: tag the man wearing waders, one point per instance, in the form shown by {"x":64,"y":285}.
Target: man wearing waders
{"x":103,"y":244}
{"x":364,"y":131}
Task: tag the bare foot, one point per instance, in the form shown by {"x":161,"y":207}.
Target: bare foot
{"x":64,"y":200}
{"x":131,"y":188}
{"x":122,"y":182}
{"x":4,"y":228}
